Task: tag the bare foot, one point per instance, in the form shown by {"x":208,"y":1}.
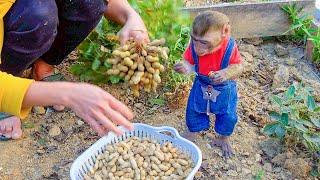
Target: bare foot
{"x":224,"y":144}
{"x":11,"y":127}
{"x":42,"y":70}
{"x":191,"y":136}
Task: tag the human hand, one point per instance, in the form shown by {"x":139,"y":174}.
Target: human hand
{"x":218,"y":76}
{"x":134,"y":28}
{"x":99,"y":109}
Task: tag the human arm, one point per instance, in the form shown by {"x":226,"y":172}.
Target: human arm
{"x":97,"y":107}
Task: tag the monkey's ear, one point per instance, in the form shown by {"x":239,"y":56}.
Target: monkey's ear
{"x":226,"y":30}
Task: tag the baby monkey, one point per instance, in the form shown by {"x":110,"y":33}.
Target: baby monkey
{"x":215,"y":59}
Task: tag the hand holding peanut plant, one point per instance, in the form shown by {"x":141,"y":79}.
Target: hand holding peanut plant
{"x":139,"y":64}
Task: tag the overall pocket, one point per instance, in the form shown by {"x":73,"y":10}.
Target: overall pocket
{"x":218,"y":104}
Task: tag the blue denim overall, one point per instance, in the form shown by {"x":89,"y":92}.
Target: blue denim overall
{"x":207,"y":97}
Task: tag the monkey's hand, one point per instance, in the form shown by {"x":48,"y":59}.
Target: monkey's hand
{"x":231,"y":72}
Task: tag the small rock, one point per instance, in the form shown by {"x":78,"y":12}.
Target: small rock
{"x":229,"y":161}
{"x":41,"y":151}
{"x":246,"y":154}
{"x":225,"y":166}
{"x":258,"y":157}
{"x":243,"y":161}
{"x":281,"y":51}
{"x":255,"y":41}
{"x":138,"y":105}
{"x":267,"y":167}
{"x":54,"y":131}
{"x":251,"y":49}
{"x":80,"y":123}
{"x":271,"y":147}
{"x":246,"y":171}
{"x":279,"y":159}
{"x":281,"y":77}
{"x":250,"y":162}
{"x":298,"y":167}
{"x":290,"y":62}
{"x":1,"y":168}
{"x":277,"y":169}
{"x":38,"y":110}
{"x":247,"y":57}
{"x":198,"y":174}
{"x":208,"y":146}
{"x":232,"y":173}
{"x":238,"y":169}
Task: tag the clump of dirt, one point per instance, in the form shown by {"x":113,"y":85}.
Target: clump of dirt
{"x":178,"y":98}
{"x":298,"y":167}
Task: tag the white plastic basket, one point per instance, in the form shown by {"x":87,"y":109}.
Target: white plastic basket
{"x":161,"y":134}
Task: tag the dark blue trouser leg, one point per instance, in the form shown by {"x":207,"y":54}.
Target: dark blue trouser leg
{"x":30,"y":29}
{"x":77,"y":18}
{"x":49,"y":29}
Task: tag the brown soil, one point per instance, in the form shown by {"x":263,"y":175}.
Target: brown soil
{"x":40,"y":156}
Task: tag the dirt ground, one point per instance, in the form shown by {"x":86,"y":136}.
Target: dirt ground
{"x":196,"y":3}
{"x":53,"y":140}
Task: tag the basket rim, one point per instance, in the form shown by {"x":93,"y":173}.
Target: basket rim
{"x":83,"y":155}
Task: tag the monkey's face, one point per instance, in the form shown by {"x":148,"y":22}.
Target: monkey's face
{"x":210,"y":42}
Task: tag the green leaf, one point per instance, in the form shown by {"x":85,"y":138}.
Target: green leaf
{"x":84,"y":46}
{"x":28,"y":125}
{"x":315,"y":173}
{"x":298,"y":98}
{"x":290,"y":92}
{"x":114,"y":79}
{"x":311,"y":103}
{"x":316,"y":122}
{"x":107,"y":65}
{"x":276,"y":99}
{"x":42,"y":141}
{"x":96,"y":64}
{"x":300,"y":127}
{"x":284,"y":119}
{"x":269,"y":129}
{"x":306,"y":123}
{"x":314,"y":138}
{"x":76,"y":69}
{"x":157,"y":101}
{"x":280,"y":131}
{"x":274,"y":115}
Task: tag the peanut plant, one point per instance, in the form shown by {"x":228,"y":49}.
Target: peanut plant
{"x":163,"y":19}
{"x":296,"y":116}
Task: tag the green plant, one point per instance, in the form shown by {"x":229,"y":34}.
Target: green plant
{"x":296,"y":115}
{"x":259,"y":174}
{"x":94,"y":51}
{"x":163,"y":18}
{"x":301,"y":28}
{"x":300,"y":25}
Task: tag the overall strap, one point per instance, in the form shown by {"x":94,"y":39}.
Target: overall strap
{"x":195,"y":58}
{"x":227,"y":55}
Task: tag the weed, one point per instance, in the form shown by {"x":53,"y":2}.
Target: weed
{"x":296,"y":115}
{"x":302,"y":29}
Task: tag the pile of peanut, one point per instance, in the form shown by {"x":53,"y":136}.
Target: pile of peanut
{"x":139,"y":64}
{"x":142,"y":159}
